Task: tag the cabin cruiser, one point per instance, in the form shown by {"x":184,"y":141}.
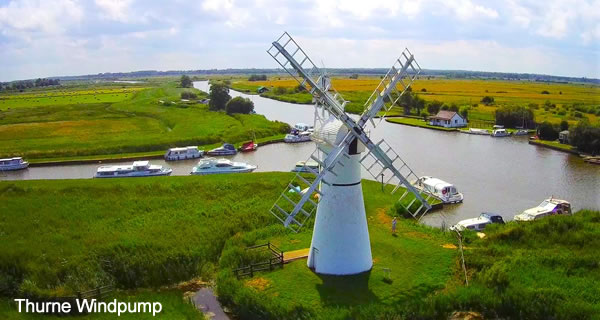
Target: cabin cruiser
{"x":11,"y":164}
{"x":440,"y":189}
{"x":190,"y":152}
{"x":297,"y":137}
{"x":303,"y":166}
{"x":500,"y":133}
{"x":479,"y":223}
{"x":216,"y":166}
{"x":226,"y":150}
{"x":303,"y":127}
{"x":138,"y":169}
{"x":249,"y":146}
{"x":521,"y":132}
{"x":548,"y":207}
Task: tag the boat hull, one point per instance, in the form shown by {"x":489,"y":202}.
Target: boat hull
{"x":158,"y":174}
{"x":199,"y":173}
{"x":182,"y":157}
{"x":221,"y":153}
{"x":15,"y":167}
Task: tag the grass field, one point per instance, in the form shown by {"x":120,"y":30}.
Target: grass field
{"x":417,"y":123}
{"x":133,"y":122}
{"x":460,"y":92}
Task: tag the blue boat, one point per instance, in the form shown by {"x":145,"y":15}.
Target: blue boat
{"x":226,"y":150}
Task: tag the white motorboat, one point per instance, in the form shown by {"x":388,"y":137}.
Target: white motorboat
{"x":190,"y":152}
{"x":11,"y":164}
{"x":484,"y":132}
{"x":548,"y":207}
{"x":297,"y":137}
{"x":303,"y":127}
{"x":479,"y":223}
{"x":500,"y":133}
{"x":138,"y":169}
{"x":216,"y":166}
{"x":521,"y":132}
{"x":440,"y":189}
{"x":304,"y":166}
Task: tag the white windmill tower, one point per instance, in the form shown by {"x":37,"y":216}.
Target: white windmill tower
{"x":340,"y":243}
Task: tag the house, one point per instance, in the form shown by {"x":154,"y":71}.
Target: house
{"x":262,"y":89}
{"x":448,"y":119}
{"x":563,"y":137}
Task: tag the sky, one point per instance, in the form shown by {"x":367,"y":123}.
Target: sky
{"x":71,"y":37}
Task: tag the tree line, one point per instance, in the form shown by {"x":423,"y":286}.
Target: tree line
{"x":27,"y":84}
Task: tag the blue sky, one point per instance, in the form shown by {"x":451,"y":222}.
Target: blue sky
{"x":70,"y":37}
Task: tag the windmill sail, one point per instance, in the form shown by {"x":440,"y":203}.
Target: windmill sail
{"x":295,"y":61}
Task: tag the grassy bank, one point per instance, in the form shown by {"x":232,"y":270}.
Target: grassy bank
{"x":137,"y":123}
{"x":458,"y":91}
{"x":554,"y":145}
{"x":417,"y":123}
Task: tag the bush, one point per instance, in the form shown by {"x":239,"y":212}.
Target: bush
{"x":257,"y":77}
{"x":279,"y":90}
{"x":487,"y":100}
{"x":545,"y":92}
{"x":423,"y":90}
{"x":564,"y":125}
{"x":546,"y":131}
{"x":578,"y":114}
{"x":188,"y":95}
{"x":239,"y":105}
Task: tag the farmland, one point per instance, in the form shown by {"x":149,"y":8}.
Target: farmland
{"x":89,"y":121}
{"x":461,"y":93}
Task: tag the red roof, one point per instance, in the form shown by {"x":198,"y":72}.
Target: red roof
{"x":444,"y":115}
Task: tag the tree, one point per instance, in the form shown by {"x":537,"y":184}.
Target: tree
{"x":434,"y":107}
{"x":586,"y":137}
{"x":239,"y":105}
{"x":453,"y":107}
{"x":219,"y":96}
{"x":353,"y":76}
{"x":564,"y":125}
{"x":185,"y":81}
{"x":546,"y":131}
{"x":280,"y":90}
{"x":487,"y":100}
{"x":514,"y":116}
{"x":464,"y":112}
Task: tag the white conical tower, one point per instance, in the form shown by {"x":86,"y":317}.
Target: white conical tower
{"x":340,"y":243}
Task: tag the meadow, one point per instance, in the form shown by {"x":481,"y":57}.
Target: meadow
{"x":461,"y":92}
{"x":63,"y":236}
{"x":109,"y":121}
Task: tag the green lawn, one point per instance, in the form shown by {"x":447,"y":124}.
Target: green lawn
{"x":137,"y":124}
{"x":554,"y":145}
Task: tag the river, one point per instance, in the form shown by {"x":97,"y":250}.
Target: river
{"x":501,"y":175}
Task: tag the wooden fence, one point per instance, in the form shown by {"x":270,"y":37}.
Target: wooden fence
{"x":275,"y":260}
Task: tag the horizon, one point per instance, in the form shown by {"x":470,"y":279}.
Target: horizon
{"x":73,"y":38}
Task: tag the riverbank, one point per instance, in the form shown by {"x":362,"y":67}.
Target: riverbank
{"x":133,"y":156}
{"x":413,"y":122}
{"x":555,"y":145}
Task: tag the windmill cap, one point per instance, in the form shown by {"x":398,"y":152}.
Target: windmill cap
{"x":332,"y":132}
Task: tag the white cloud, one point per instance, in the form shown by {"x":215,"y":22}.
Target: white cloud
{"x":39,"y":16}
{"x":466,"y":9}
{"x":117,"y":10}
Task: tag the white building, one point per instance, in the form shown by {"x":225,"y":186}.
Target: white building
{"x":448,"y":119}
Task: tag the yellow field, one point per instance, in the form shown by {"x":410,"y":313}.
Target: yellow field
{"x":469,"y":92}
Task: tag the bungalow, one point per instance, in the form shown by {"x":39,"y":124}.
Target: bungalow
{"x":262,"y":89}
{"x":448,"y":119}
{"x":563,"y":137}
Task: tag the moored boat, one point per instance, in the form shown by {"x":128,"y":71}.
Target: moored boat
{"x":190,"y":152}
{"x":500,"y":133}
{"x":10,"y":164}
{"x":479,"y":223}
{"x":249,"y":146}
{"x":137,"y":169}
{"x":484,"y":132}
{"x":297,"y":137}
{"x":304,"y":166}
{"x":219,"y":166}
{"x":548,"y":207}
{"x":227,"y":149}
{"x":521,"y":132}
{"x":440,"y":189}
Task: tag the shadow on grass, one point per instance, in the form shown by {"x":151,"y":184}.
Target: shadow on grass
{"x":346,"y":291}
